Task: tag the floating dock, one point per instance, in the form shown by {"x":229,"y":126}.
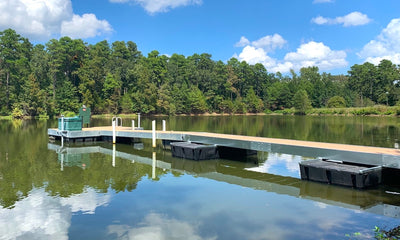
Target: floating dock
{"x":194,"y":151}
{"x":372,"y":156}
{"x":339,"y":173}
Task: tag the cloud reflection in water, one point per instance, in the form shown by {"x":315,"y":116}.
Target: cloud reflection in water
{"x":41,"y":216}
{"x":155,"y":226}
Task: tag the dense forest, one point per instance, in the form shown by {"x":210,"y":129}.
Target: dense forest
{"x":116,"y":78}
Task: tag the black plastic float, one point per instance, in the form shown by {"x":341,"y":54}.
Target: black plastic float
{"x":340,"y":173}
{"x":194,"y":151}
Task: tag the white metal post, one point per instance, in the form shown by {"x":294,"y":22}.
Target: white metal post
{"x":153,"y":128}
{"x":164,"y":126}
{"x":138,"y":120}
{"x":113,"y":129}
{"x":133,"y":125}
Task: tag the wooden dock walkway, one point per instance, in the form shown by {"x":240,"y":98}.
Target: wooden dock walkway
{"x":375,"y":156}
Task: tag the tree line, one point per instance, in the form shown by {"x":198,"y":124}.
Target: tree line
{"x":64,"y":74}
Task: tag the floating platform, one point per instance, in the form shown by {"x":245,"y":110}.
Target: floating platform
{"x":339,"y":173}
{"x":194,"y":151}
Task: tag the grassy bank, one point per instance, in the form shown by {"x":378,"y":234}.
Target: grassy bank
{"x":102,"y":116}
{"x":378,"y":110}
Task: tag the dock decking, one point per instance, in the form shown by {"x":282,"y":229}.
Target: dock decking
{"x":375,"y":156}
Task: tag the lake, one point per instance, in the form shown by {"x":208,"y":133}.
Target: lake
{"x":132,"y":191}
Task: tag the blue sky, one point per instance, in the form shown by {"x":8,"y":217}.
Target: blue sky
{"x":281,"y":34}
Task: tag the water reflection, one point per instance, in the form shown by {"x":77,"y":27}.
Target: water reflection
{"x":157,"y":226}
{"x":42,"y":216}
{"x":271,"y":172}
{"x":82,"y":192}
{"x":279,"y":164}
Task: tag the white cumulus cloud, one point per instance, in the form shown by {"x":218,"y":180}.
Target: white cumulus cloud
{"x":385,"y":46}
{"x":155,"y":6}
{"x":253,"y":55}
{"x":308,"y":54}
{"x":351,"y":19}
{"x":85,"y":26}
{"x":268,"y":43}
{"x":316,"y":54}
{"x":320,"y":20}
{"x":242,"y":42}
{"x":257,"y":51}
{"x":42,"y":19}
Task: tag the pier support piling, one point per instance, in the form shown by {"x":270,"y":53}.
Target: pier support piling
{"x":113,"y":130}
{"x":153,"y":129}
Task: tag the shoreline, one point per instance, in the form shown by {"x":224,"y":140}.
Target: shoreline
{"x":373,"y":111}
{"x":102,"y":116}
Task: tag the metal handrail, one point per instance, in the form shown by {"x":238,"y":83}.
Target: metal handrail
{"x":116,"y":121}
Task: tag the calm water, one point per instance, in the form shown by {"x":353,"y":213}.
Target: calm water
{"x":92,"y":191}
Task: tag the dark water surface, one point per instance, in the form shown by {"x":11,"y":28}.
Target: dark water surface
{"x":95,"y":191}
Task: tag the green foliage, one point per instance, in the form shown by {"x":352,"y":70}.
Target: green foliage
{"x":286,"y":111}
{"x":301,"y":102}
{"x":374,"y":110}
{"x":66,"y":98}
{"x":365,"y":111}
{"x":254,"y":103}
{"x":197,"y":101}
{"x":226,"y":106}
{"x":6,"y":118}
{"x":392,"y":234}
{"x":43,"y":117}
{"x":267,"y":111}
{"x":354,"y":235}
{"x":239,"y":106}
{"x":279,"y":96}
{"x":68,"y":114}
{"x":126,"y":104}
{"x":336,"y":102}
{"x":65,"y":73}
{"x":17,"y":113}
{"x":379,"y":234}
{"x":330,"y":111}
{"x":363,"y":102}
